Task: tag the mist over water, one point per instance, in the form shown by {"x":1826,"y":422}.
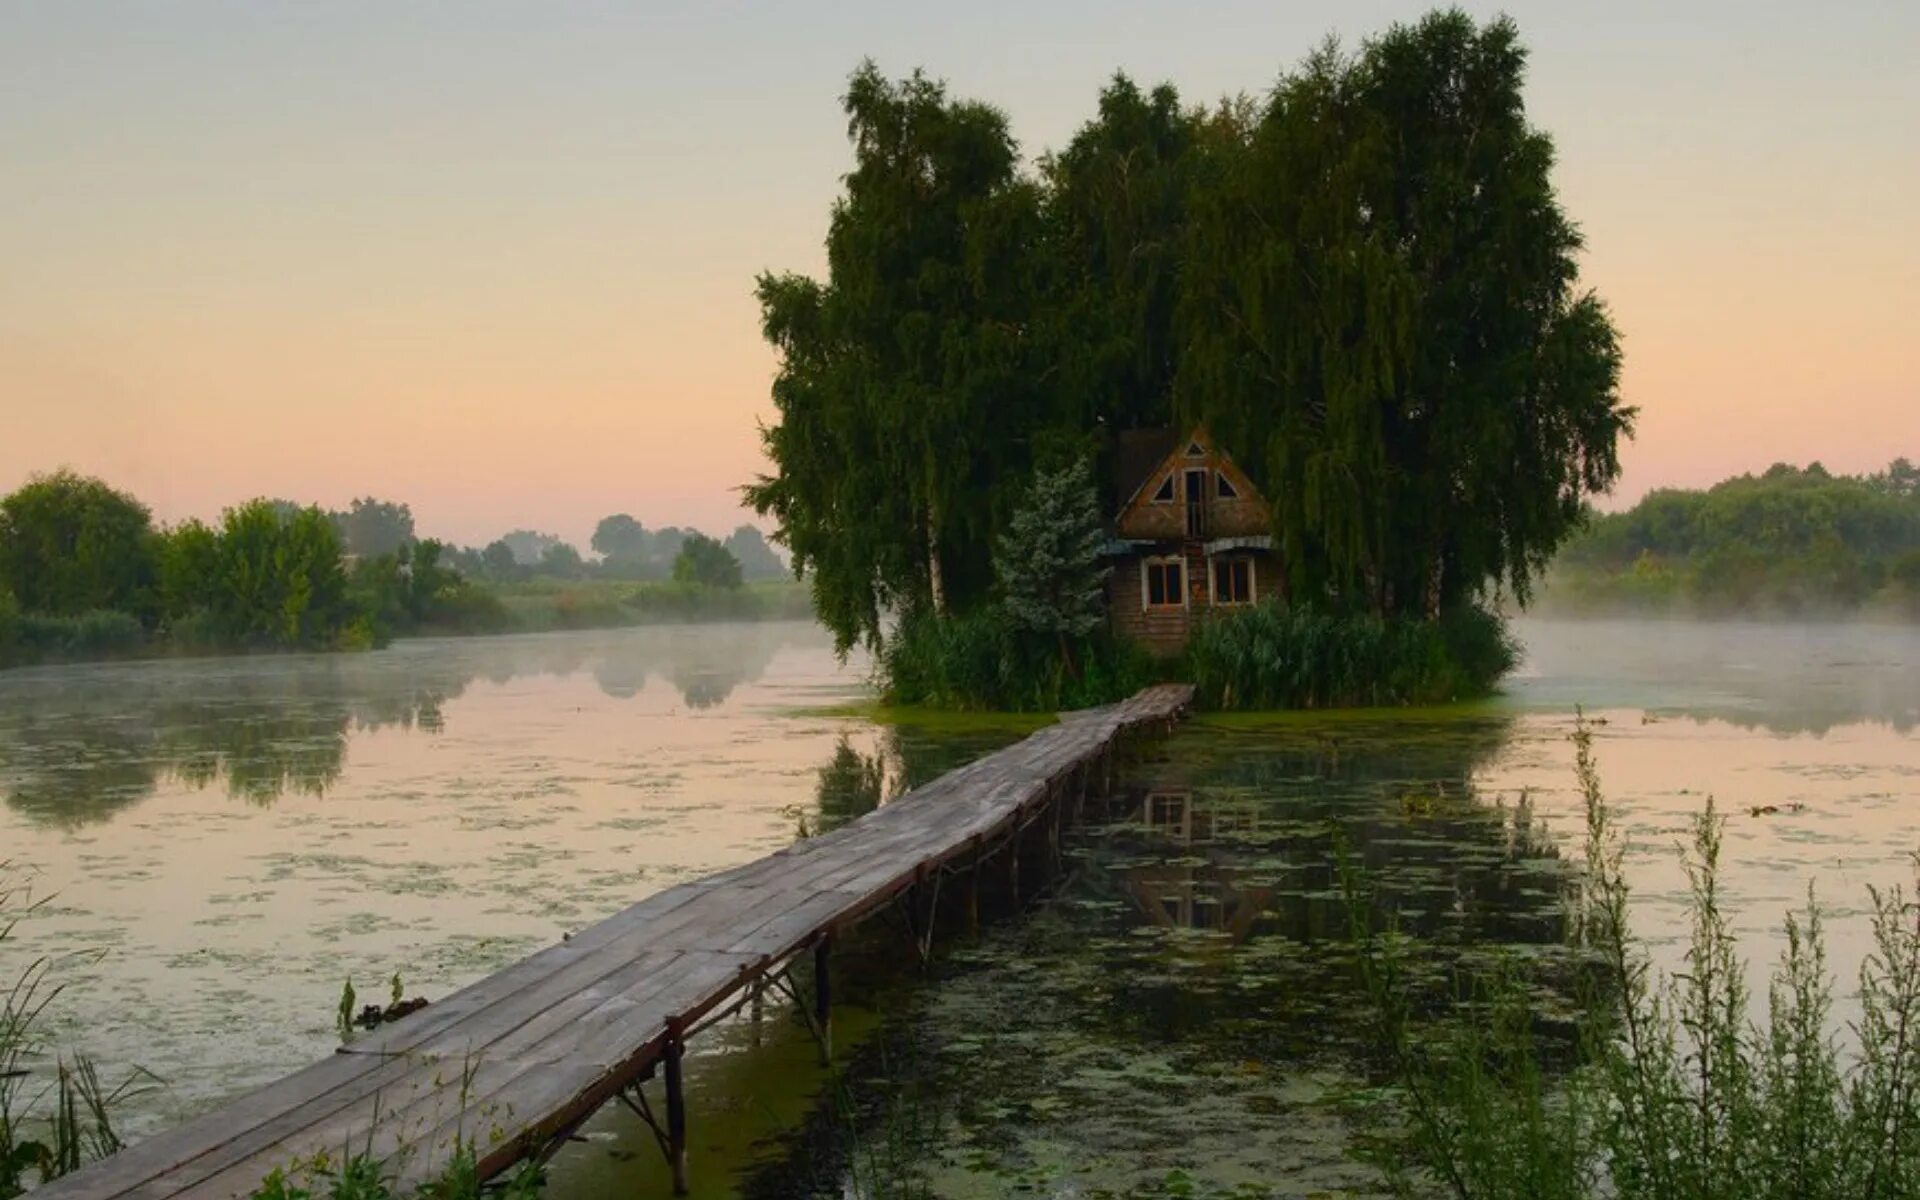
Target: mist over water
{"x":237,"y":836}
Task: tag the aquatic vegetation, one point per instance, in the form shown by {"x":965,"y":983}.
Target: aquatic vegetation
{"x":48,"y":1128}
{"x":361,"y":1176}
{"x":1663,"y":1088}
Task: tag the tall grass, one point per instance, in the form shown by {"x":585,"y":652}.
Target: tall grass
{"x":1668,"y":1091}
{"x":1271,"y":656}
{"x":56,"y":1114}
{"x":361,"y":1176}
{"x":979,"y":661}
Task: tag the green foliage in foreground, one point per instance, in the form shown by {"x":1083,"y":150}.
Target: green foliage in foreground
{"x":360,"y":1176}
{"x":1673,"y":1094}
{"x":56,"y":1114}
{"x":1272,"y":657}
{"x":1789,"y":542}
{"x":983,"y":661}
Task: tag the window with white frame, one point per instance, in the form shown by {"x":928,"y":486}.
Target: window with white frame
{"x":1165,"y":494}
{"x":1223,"y":487}
{"x":1163,"y":583}
{"x":1233,"y":579}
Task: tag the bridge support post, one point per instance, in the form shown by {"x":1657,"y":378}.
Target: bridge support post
{"x":973,"y":889}
{"x":1013,"y":862}
{"x":676,"y":1111}
{"x":823,"y":995}
{"x":1056,"y":818}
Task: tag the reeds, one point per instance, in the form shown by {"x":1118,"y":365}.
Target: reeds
{"x":1271,"y":656}
{"x":56,"y":1114}
{"x":979,"y":661}
{"x":1669,"y":1090}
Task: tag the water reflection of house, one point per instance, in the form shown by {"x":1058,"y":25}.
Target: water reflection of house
{"x":1195,"y":895}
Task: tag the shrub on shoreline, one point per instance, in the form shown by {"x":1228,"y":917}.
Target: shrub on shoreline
{"x":980,"y":661}
{"x":1274,"y":657}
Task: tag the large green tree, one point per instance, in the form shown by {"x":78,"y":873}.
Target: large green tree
{"x":1382,"y":315}
{"x":909,"y":383}
{"x":71,"y":544}
{"x":1116,"y":206}
{"x":1365,"y":286}
{"x":277,"y":580}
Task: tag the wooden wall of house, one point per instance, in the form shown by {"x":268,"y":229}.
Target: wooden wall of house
{"x":1165,"y":630}
{"x":1160,"y":630}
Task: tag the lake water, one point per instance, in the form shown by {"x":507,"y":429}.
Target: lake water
{"x":228,"y":840}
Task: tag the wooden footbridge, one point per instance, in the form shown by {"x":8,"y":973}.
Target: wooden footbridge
{"x":514,"y":1064}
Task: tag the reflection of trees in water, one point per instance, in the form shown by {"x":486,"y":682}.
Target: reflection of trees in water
{"x":855,"y":782}
{"x":852,"y":784}
{"x":78,"y":746}
{"x":1232,"y":845}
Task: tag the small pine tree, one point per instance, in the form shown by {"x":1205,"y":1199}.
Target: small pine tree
{"x":1048,"y":560}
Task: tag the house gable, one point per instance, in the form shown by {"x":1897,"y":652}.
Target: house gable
{"x":1156,"y":509}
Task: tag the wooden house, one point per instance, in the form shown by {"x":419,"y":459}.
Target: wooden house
{"x":1191,"y":534}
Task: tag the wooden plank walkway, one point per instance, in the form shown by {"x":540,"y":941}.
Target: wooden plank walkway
{"x":517,"y":1060}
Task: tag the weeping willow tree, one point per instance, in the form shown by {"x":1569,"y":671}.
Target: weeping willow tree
{"x":1381,"y":312}
{"x":908,"y":379}
{"x":1364,"y":285}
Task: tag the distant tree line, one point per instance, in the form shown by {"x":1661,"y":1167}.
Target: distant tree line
{"x":625,"y":550}
{"x":1791,"y":541}
{"x":85,"y":572}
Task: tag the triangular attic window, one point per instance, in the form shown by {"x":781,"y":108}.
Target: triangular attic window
{"x":1165,"y":494}
{"x":1196,"y":450}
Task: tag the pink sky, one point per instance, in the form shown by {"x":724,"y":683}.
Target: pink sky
{"x":496,"y":260}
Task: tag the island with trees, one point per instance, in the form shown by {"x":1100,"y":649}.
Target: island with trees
{"x":1362,"y":284}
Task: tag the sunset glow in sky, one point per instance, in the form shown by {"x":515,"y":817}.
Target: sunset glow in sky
{"x":496,"y":260}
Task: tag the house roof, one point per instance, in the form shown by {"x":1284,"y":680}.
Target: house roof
{"x":1136,"y":452}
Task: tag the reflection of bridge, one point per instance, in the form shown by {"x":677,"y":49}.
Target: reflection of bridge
{"x":513,"y":1064}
